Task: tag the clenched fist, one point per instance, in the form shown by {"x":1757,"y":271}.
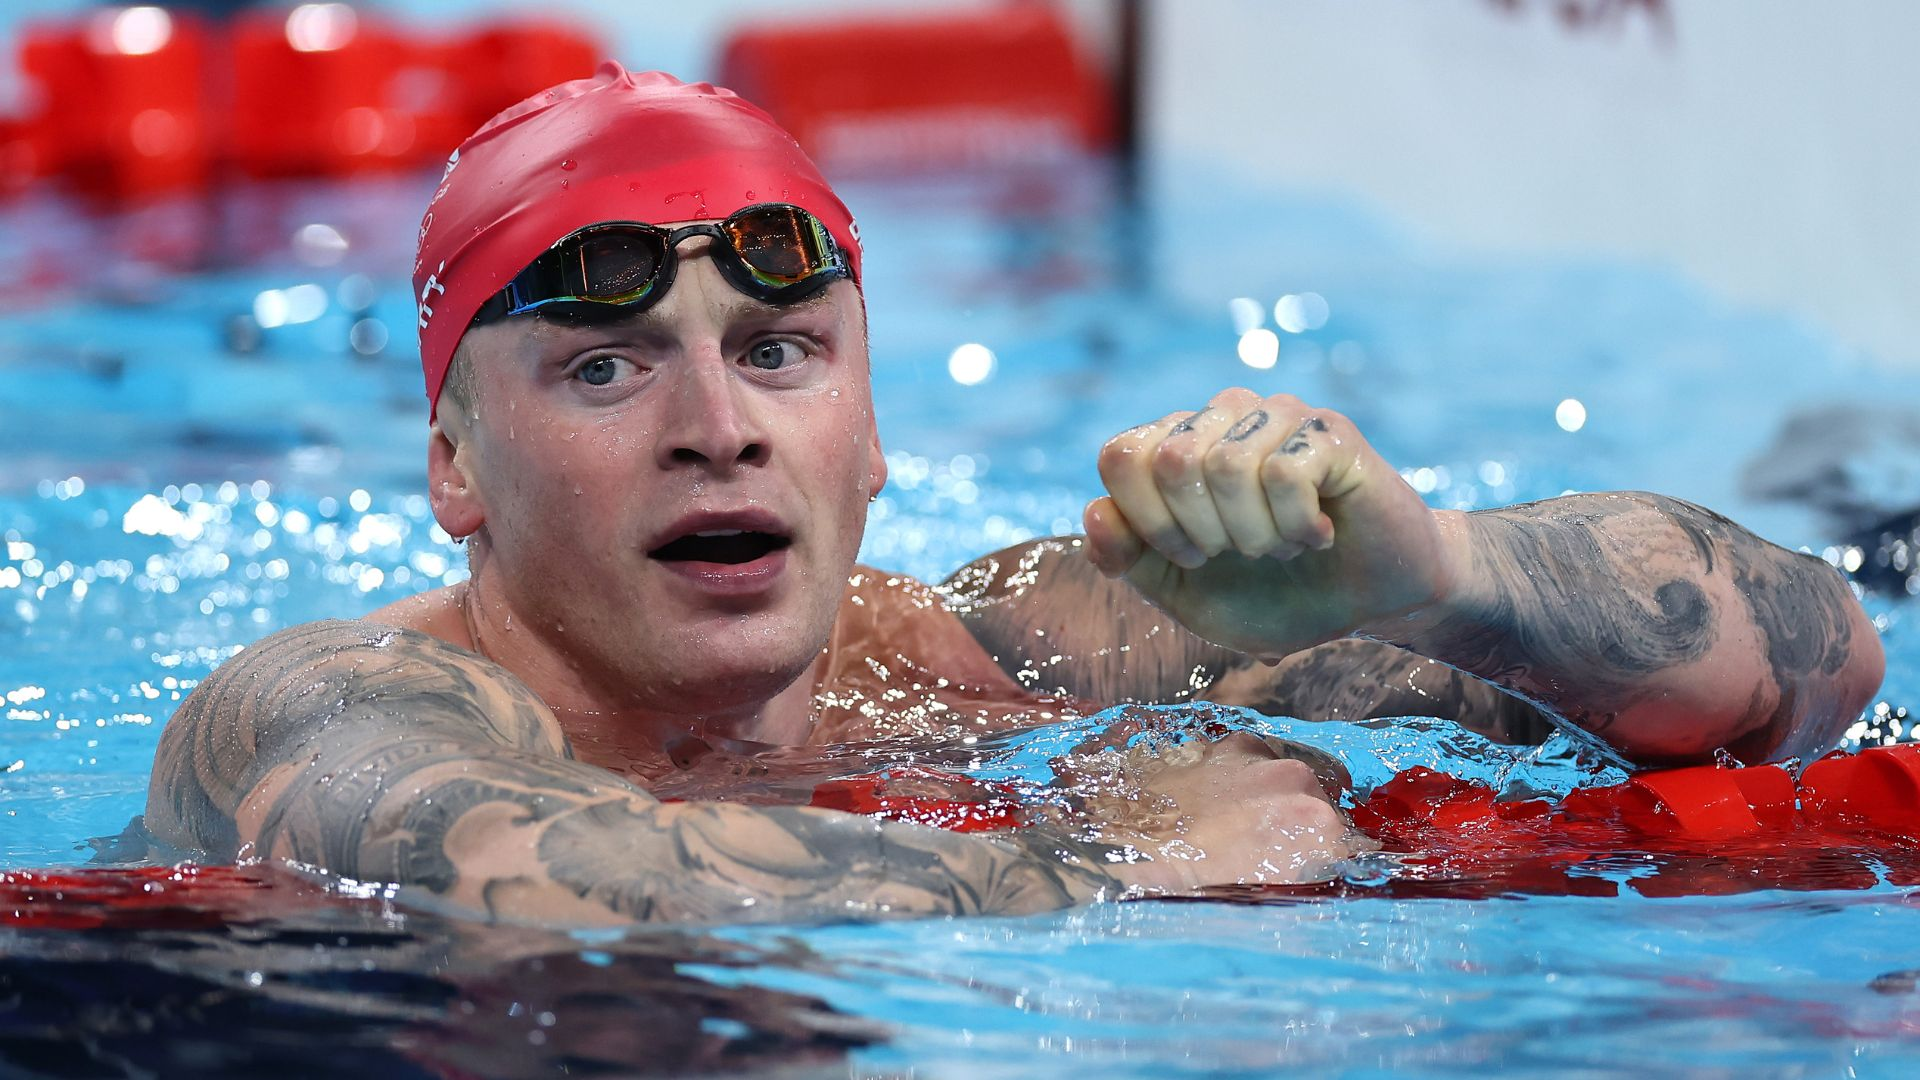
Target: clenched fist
{"x":1268,"y":526}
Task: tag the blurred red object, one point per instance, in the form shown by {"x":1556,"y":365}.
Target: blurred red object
{"x":507,"y":61}
{"x":16,"y":157}
{"x":122,"y":102}
{"x":130,"y":102}
{"x":323,"y":89}
{"x":1000,"y":86}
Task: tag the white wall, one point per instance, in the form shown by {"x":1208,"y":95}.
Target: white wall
{"x":1767,"y":148}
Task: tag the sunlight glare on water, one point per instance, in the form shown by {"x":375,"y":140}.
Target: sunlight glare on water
{"x":164,"y":514}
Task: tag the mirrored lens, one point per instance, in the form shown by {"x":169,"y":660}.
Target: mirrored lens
{"x":781,"y":243}
{"x":615,"y":265}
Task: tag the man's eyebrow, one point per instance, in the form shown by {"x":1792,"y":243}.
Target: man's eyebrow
{"x":652,"y":322}
{"x":747,"y":305}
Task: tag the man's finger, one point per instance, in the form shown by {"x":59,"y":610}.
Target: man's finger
{"x":1126,"y":467}
{"x":1180,"y":473}
{"x":1111,"y":542}
{"x":1233,"y":476}
{"x":1291,"y":475}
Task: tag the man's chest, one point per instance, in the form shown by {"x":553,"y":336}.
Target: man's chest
{"x":900,"y":663}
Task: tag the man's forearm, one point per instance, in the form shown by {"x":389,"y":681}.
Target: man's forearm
{"x":516,"y":835}
{"x":720,"y":862}
{"x":1661,"y":627}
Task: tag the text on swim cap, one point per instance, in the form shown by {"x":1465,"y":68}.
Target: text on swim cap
{"x":426,"y":293}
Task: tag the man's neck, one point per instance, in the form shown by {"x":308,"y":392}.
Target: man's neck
{"x":597,"y":711}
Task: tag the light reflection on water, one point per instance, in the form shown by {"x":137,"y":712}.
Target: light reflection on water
{"x":181,"y":495}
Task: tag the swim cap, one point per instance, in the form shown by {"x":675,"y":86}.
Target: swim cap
{"x":615,"y":147}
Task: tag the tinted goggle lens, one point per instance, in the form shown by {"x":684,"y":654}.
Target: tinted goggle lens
{"x":613,"y":266}
{"x":781,"y":245}
{"x":773,"y":252}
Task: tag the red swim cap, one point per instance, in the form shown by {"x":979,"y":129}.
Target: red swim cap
{"x":615,"y":147}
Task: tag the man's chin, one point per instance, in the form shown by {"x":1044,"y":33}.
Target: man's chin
{"x":719,"y":682}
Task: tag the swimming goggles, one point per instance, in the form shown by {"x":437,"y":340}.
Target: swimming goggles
{"x":774,"y":252}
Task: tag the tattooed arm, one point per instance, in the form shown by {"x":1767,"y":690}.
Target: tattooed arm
{"x":1058,"y":625}
{"x":1269,"y":526}
{"x":387,"y":755}
{"x":1662,"y":627}
{"x":1264,"y":527}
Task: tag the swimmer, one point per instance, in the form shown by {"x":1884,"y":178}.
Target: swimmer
{"x":644,"y":339}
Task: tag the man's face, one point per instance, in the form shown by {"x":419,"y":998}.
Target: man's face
{"x":672,"y":501}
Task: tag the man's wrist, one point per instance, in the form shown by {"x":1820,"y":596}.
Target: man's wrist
{"x":1457,"y":591}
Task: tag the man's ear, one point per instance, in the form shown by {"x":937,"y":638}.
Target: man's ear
{"x":451,"y":486}
{"x":876,"y":462}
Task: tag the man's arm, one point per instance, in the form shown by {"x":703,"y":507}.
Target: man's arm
{"x":1058,"y":625}
{"x":1662,"y":627}
{"x":1269,"y":526}
{"x":386,"y":755}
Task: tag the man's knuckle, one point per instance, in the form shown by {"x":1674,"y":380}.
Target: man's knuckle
{"x":1114,"y":456}
{"x":1225,"y":465}
{"x":1174,"y":462}
{"x":1278,"y":471}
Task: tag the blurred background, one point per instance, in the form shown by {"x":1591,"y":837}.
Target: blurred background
{"x":1530,"y":246}
{"x":1766,"y":148}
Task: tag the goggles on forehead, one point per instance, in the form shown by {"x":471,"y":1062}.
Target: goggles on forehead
{"x":774,"y":252}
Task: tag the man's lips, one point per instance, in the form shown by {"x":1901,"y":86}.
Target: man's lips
{"x":736,"y":552}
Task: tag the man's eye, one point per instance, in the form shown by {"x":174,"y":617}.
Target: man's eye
{"x":773,"y":354}
{"x":598,"y":371}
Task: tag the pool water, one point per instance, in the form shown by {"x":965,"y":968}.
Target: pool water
{"x":190,"y":460}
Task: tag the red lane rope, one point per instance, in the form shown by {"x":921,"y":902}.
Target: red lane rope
{"x":1850,"y":822}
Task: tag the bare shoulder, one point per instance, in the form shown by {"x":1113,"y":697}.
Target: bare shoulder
{"x":283,"y":696}
{"x":1058,"y":625}
{"x":386,"y":754}
{"x":893,"y":615}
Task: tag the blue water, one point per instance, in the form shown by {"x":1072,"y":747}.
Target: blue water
{"x":165,"y":499}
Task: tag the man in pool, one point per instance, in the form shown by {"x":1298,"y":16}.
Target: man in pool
{"x":658,"y":442}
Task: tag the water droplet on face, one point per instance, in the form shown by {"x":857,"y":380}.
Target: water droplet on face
{"x":569,"y":164}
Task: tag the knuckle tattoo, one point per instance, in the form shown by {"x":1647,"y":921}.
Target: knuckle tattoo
{"x":1302,"y":438}
{"x":1247,"y":426}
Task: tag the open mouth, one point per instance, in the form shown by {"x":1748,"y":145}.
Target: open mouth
{"x":725,"y":546}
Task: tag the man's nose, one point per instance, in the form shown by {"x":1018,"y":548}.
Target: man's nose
{"x":712,"y":422}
